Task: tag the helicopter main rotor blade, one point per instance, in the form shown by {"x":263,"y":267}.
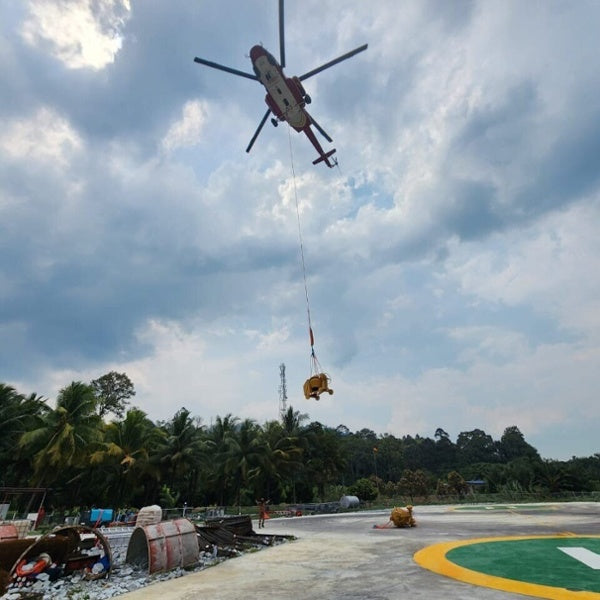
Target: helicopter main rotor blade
{"x":281,"y":37}
{"x":264,"y":119}
{"x":215,"y":65}
{"x":335,"y":61}
{"x":320,"y":129}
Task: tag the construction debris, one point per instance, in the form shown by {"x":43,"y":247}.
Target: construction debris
{"x":28,"y":562}
{"x":164,"y":546}
{"x":64,"y":565}
{"x":231,"y":536}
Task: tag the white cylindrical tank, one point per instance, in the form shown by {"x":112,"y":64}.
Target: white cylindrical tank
{"x":349,"y":502}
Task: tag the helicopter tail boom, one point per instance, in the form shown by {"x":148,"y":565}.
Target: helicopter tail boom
{"x":325,"y":157}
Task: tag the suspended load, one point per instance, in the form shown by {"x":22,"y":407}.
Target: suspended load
{"x":316,"y":385}
{"x":318,"y":382}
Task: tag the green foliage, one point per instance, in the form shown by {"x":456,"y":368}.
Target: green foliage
{"x":512,"y":445}
{"x":414,"y":483}
{"x":364,"y":489}
{"x":456,"y":484}
{"x":476,"y":446}
{"x":167,"y":498}
{"x":134,"y":461}
{"x":63,"y":438}
{"x":112,"y":392}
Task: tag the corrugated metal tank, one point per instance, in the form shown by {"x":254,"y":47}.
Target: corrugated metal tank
{"x":164,"y":546}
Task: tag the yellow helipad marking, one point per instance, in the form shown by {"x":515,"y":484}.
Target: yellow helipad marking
{"x":434,"y":559}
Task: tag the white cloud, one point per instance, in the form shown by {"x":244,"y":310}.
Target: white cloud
{"x":194,"y":367}
{"x":270,"y":339}
{"x":80,"y":33}
{"x":550,"y":266}
{"x":435,"y":302}
{"x":187,"y":130}
{"x":537,"y":390}
{"x":46,"y":136}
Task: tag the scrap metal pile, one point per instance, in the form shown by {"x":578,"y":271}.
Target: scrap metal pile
{"x":23,"y":562}
{"x":231,"y":536}
{"x":81,"y":562}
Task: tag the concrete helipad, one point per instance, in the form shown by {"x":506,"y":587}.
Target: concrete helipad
{"x":462,"y":552}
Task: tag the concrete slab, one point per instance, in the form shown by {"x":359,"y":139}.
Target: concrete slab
{"x":343,"y":557}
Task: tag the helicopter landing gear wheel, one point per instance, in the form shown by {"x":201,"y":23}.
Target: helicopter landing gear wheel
{"x":307,"y":99}
{"x":275,"y":122}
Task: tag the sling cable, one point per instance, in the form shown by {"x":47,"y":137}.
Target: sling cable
{"x":318,"y":381}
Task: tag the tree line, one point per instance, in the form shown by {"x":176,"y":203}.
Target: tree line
{"x":93,"y":448}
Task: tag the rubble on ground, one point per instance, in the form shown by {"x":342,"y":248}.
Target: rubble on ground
{"x":98,"y":562}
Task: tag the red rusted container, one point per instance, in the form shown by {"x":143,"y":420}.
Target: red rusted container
{"x":164,"y":546}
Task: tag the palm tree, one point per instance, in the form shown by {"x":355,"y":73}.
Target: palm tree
{"x":245,"y":455}
{"x":125,"y":453}
{"x":16,"y":410}
{"x":281,"y":461}
{"x":184,"y":452}
{"x":64,"y":437}
{"x":325,"y":461}
{"x":221,"y":434}
{"x":292,"y":421}
{"x":17,"y":414}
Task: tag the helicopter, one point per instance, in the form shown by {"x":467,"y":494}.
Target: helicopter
{"x":286,"y":97}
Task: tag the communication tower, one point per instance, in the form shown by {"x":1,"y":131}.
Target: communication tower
{"x":282,"y":392}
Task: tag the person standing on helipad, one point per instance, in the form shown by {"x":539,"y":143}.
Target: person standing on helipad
{"x":262,"y":512}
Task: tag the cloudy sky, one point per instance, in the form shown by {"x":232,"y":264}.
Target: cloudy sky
{"x":452,"y":260}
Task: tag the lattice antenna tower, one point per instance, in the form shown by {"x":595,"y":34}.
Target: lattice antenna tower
{"x":282,"y":392}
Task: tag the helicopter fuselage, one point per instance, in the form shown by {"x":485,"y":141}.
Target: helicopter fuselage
{"x":286,"y":97}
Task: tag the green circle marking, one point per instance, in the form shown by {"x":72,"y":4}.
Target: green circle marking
{"x":540,"y":566}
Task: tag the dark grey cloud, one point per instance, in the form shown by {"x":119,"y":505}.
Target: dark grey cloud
{"x":456,"y":144}
{"x":568,"y":171}
{"x":152,"y":75}
{"x":470,"y":209}
{"x":497,"y":132}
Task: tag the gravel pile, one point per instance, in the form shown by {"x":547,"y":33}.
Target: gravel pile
{"x":124,"y":578}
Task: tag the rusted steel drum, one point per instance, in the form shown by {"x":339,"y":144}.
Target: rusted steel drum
{"x":163,"y":546}
{"x":8,"y":532}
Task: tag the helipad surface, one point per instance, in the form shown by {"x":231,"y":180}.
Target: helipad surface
{"x":455,"y":552}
